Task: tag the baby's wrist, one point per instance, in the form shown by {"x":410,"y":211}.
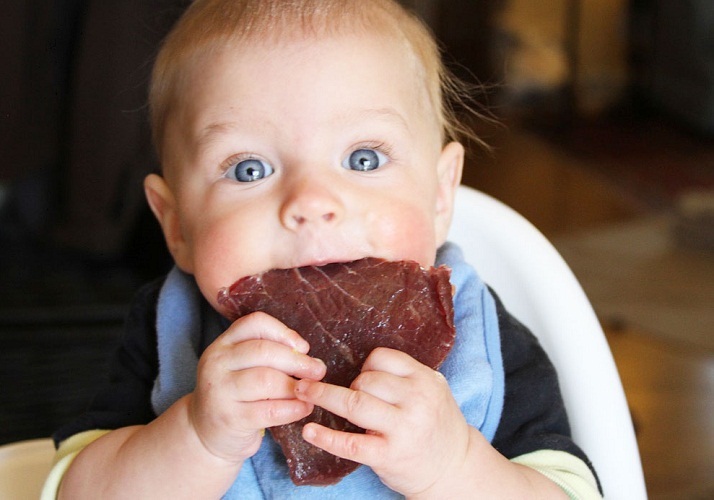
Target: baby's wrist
{"x":200,"y":449}
{"x":459,"y":479}
{"x":223,"y":442}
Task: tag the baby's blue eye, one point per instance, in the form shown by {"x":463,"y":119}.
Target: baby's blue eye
{"x":249,"y":170}
{"x":364,"y":160}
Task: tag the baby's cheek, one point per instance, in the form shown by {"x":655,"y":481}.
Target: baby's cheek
{"x":221,"y":257}
{"x":410,"y":237}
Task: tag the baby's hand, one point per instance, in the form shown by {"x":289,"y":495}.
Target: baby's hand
{"x":245,"y":384}
{"x":416,"y":432}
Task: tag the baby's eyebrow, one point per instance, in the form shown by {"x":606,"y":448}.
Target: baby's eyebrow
{"x":385,"y":113}
{"x":207,"y":133}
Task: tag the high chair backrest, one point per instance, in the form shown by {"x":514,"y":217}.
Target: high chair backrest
{"x":537,"y":287}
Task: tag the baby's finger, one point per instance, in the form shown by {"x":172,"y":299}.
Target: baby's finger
{"x":367,"y":449}
{"x":264,"y":414}
{"x":267,"y":353}
{"x":384,"y":359}
{"x":259,"y":325}
{"x":361,"y":408}
{"x":261,"y":383}
{"x":385,"y":386}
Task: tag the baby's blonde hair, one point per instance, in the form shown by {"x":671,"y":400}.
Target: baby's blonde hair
{"x":210,"y":25}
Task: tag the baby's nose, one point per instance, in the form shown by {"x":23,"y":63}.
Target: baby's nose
{"x":311,"y":204}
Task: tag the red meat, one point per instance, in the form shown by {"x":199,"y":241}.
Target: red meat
{"x":345,"y":311}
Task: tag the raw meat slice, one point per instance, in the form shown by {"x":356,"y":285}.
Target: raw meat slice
{"x":345,"y":311}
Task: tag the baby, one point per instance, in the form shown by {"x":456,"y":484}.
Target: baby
{"x":296,"y":133}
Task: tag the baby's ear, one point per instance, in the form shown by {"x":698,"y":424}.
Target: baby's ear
{"x":449,"y":169}
{"x":163,"y":203}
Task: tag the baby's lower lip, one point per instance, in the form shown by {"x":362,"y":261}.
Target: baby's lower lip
{"x":323,"y":262}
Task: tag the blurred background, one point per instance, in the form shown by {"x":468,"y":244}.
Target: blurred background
{"x":602,"y":134}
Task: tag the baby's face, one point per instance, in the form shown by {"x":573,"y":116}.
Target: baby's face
{"x":304,"y":154}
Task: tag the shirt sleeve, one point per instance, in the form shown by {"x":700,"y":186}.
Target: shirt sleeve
{"x":571,"y":474}
{"x":66,"y":453}
{"x":534,"y":416}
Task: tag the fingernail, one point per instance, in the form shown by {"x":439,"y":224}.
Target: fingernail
{"x":308,"y":432}
{"x":301,"y":346}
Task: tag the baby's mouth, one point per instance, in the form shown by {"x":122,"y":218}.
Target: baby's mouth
{"x":319,"y":259}
{"x":323,"y":262}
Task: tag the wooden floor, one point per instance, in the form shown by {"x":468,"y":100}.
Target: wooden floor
{"x":670,"y":390}
{"x":670,"y":387}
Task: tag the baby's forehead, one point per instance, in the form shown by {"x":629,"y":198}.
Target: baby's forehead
{"x":373,"y":82}
{"x":368,"y":23}
{"x":286,"y":49}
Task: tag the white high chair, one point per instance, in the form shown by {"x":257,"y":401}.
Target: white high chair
{"x":537,"y":287}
